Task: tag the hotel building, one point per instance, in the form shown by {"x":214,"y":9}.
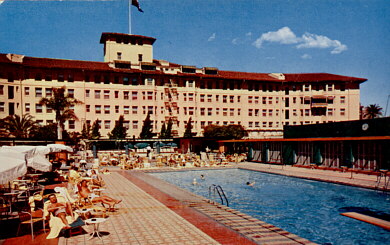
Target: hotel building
{"x":131,"y":83}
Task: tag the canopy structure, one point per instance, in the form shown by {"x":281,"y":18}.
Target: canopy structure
{"x":35,"y":155}
{"x":59,"y":148}
{"x":141,"y":145}
{"x":12,"y":166}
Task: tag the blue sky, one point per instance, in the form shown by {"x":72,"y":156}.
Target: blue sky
{"x":345,"y":37}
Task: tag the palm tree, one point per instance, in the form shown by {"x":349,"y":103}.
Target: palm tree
{"x":372,"y":111}
{"x":19,"y":127}
{"x":61,"y":104}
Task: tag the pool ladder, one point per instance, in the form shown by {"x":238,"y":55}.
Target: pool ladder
{"x":218,"y":189}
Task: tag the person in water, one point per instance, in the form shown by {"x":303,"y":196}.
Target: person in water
{"x":250,"y":183}
{"x":202,"y":177}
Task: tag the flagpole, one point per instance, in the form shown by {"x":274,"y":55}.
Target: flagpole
{"x":129,"y":16}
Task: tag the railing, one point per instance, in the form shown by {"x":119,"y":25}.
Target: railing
{"x":218,"y":189}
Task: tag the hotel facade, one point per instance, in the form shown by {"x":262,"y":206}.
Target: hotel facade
{"x":131,"y":83}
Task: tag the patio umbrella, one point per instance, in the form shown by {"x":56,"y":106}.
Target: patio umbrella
{"x":34,"y":155}
{"x":171,"y":144}
{"x":141,"y":145}
{"x":59,"y":148}
{"x":12,"y":166}
{"x":158,"y":146}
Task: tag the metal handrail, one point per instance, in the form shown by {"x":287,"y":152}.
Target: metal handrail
{"x":221,"y":193}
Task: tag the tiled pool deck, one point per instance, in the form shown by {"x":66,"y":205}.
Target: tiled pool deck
{"x":156,"y":212}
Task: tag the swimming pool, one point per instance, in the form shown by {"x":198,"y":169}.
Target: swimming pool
{"x":309,"y":209}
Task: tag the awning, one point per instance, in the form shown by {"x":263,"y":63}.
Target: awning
{"x":12,"y":166}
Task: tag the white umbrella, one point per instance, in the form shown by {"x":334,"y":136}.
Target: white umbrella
{"x":59,"y":148}
{"x":12,"y":166}
{"x":35,"y":155}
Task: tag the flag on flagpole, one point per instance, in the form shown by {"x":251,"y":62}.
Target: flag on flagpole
{"x":136,"y":4}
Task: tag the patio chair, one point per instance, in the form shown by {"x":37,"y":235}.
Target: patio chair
{"x":27,"y":218}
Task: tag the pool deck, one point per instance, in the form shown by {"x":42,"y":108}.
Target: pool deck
{"x":156,"y":212}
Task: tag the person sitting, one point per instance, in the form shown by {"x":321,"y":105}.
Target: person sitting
{"x":96,"y":179}
{"x":85,"y":192}
{"x":251,"y":183}
{"x":60,"y":210}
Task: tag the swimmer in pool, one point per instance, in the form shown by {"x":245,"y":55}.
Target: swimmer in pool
{"x":202,"y":177}
{"x":251,"y":184}
{"x":194,"y":182}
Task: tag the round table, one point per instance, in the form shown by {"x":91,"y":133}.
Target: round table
{"x":95,"y":222}
{"x":83,"y":211}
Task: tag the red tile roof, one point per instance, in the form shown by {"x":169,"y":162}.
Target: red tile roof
{"x":235,"y":75}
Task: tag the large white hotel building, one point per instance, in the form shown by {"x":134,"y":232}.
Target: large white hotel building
{"x":131,"y":83}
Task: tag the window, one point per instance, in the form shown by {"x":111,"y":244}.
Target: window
{"x":250,"y":98}
{"x":140,"y":57}
{"x":87,"y":108}
{"x":224,"y":99}
{"x":126,"y":109}
{"x":264,"y":124}
{"x":70,"y":92}
{"x":231,"y":98}
{"x":250,"y":124}
{"x":48,"y":77}
{"x":106,"y":109}
{"x":97,"y":94}
{"x":217,"y":97}
{"x":134,"y":95}
{"x":257,"y":124}
{"x":150,"y":95}
{"x":277,"y":100}
{"x":209,"y":98}
{"x":307,"y":87}
{"x":150,"y":109}
{"x":149,"y":81}
{"x":191,"y":111}
{"x":202,"y":124}
{"x":98,"y":109}
{"x":239,"y":112}
{"x":125,"y":95}
{"x":239,"y":99}
{"x":330,"y":111}
{"x":264,"y":100}
{"x":49,"y":110}
{"x":38,"y":92}
{"x":106,"y":94}
{"x":70,"y":78}
{"x":135,"y":124}
{"x":307,"y":112}
{"x":202,"y":97}
{"x":191,"y":84}
{"x":190,"y":97}
{"x":209,"y":111}
{"x":2,"y":106}
{"x":270,"y":113}
{"x":134,"y":110}
{"x":342,"y":112}
{"x":38,"y":108}
{"x":49,"y":92}
{"x":60,"y":77}
{"x":330,"y":87}
{"x":202,"y":111}
{"x":256,"y":112}
{"x":217,"y":111}
{"x":295,"y":113}
{"x":26,"y":90}
{"x":116,"y":94}
{"x":294,"y":100}
{"x":87,"y":93}
{"x":119,"y":55}
{"x":71,"y":124}
{"x":250,"y":112}
{"x":27,"y":107}
{"x":270,"y":100}
{"x":342,"y":100}
{"x":107,"y":124}
{"x":38,"y":77}
{"x":117,"y":109}
{"x":231,"y":112}
{"x":270,"y":124}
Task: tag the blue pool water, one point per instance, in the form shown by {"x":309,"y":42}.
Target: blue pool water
{"x":309,"y":209}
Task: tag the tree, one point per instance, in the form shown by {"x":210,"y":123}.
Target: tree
{"x":61,"y":105}
{"x":372,"y":111}
{"x":225,"y":132}
{"x":95,"y":134}
{"x":163,"y":131}
{"x":168,"y":132}
{"x":46,"y":132}
{"x":18,"y":127}
{"x":119,"y":131}
{"x":188,"y":131}
{"x":86,"y":131}
{"x":147,"y":129}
